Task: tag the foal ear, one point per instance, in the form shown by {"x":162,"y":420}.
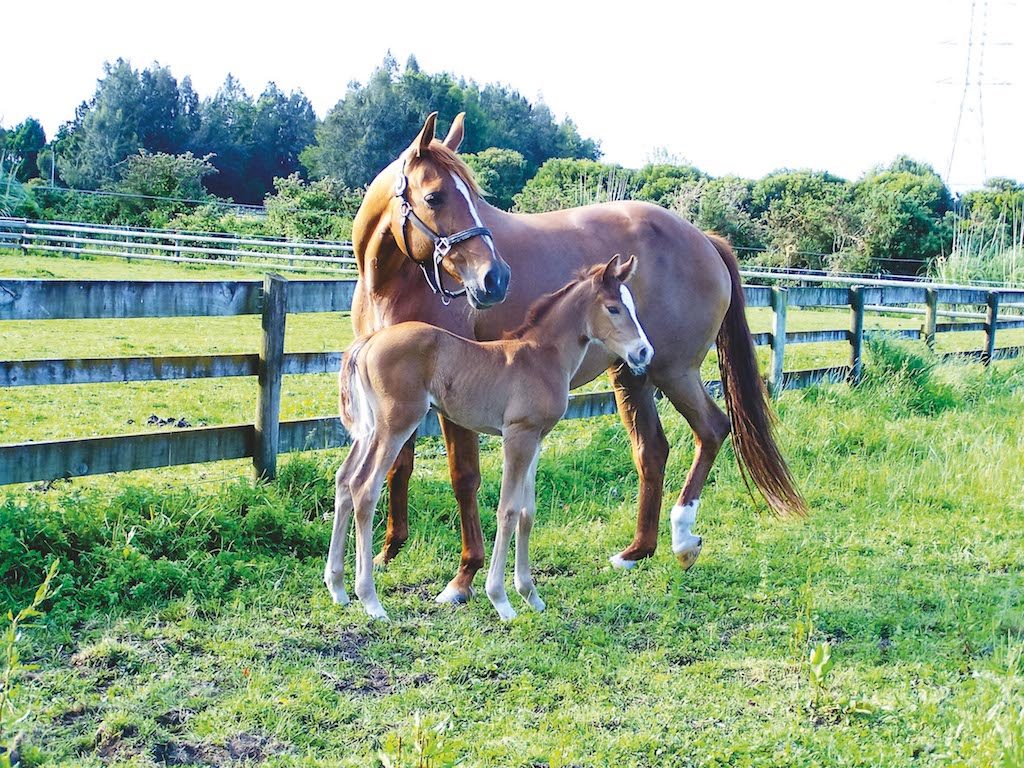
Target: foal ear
{"x":426,"y":135}
{"x":626,"y":269}
{"x":456,"y":132}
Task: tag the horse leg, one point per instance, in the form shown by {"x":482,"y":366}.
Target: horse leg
{"x":463,"y":449}
{"x":366,"y":485}
{"x":398,"y":503}
{"x":334,"y":570}
{"x":634,"y":396}
{"x":523,"y":577}
{"x":710,"y":427}
{"x":519,"y":449}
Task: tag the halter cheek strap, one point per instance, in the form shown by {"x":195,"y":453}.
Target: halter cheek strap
{"x":442,"y":243}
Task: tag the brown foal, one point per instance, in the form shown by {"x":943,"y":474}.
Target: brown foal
{"x":517,"y":387}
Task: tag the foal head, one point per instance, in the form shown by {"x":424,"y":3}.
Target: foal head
{"x":611,"y":315}
{"x":436,"y":201}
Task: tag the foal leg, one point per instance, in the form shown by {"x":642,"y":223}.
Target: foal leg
{"x":334,"y":570}
{"x":710,"y":427}
{"x":519,"y":448}
{"x":523,"y":577}
{"x":635,"y":398}
{"x":463,"y":448}
{"x":366,"y":484}
{"x":398,"y":503}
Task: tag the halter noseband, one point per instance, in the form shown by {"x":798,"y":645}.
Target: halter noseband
{"x":442,"y":243}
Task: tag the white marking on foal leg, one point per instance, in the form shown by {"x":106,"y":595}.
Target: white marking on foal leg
{"x":627,"y":299}
{"x":685,"y":545}
{"x":452,"y":596}
{"x":523,"y":578}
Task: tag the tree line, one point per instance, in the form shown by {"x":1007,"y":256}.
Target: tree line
{"x":145,"y":149}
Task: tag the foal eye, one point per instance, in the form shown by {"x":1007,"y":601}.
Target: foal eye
{"x":434,"y":199}
{"x":612,"y":309}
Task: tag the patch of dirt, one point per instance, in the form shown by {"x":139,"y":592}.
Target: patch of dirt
{"x":375,"y":681}
{"x":254,"y":748}
{"x":175,"y":718}
{"x":74,"y":713}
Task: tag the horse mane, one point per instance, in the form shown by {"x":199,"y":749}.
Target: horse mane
{"x":543,"y":306}
{"x":451,"y":162}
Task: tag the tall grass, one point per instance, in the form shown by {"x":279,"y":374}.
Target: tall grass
{"x":984,"y":249}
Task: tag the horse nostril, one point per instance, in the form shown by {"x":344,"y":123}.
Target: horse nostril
{"x":491,"y":282}
{"x":642,"y":354}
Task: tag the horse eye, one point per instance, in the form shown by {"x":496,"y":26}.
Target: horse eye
{"x":434,"y":199}
{"x":612,"y":309}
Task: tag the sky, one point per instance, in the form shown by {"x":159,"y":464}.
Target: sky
{"x":734,"y":86}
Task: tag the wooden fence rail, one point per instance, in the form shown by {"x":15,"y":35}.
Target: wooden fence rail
{"x":174,"y":246}
{"x":275,"y":297}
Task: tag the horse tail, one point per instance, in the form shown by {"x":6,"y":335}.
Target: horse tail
{"x":354,"y":402}
{"x":747,"y":402}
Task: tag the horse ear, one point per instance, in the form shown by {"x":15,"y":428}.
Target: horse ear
{"x":609,"y":273}
{"x":426,"y":135}
{"x":456,"y":132}
{"x":626,"y":269}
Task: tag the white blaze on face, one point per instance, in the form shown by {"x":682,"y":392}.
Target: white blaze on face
{"x":627,"y":299}
{"x":461,"y":186}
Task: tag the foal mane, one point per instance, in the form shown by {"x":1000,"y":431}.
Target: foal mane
{"x":543,"y":306}
{"x":449,"y":161}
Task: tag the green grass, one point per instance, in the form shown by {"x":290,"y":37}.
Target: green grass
{"x":192,"y":625}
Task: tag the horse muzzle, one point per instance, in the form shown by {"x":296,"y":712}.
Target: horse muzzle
{"x":492,"y":289}
{"x":639,"y":359}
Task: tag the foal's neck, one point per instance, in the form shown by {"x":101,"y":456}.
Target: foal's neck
{"x":563,"y":328}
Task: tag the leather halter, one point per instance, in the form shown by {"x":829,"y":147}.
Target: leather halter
{"x":442,"y":243}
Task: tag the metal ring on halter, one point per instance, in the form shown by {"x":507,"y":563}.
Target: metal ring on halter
{"x":442,"y":243}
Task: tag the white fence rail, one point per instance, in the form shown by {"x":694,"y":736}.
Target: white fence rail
{"x":224,"y":249}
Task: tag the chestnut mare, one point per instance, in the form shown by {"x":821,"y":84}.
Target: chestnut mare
{"x":687,"y":288}
{"x":517,"y":388}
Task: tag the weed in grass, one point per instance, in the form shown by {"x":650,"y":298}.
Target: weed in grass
{"x":11,"y":718}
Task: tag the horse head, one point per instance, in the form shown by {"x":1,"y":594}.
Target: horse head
{"x":611,"y":316}
{"x":438,"y":224}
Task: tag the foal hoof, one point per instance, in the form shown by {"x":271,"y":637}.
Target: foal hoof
{"x":688,"y":553}
{"x":453,"y":596}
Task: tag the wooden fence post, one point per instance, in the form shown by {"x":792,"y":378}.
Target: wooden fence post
{"x":856,"y":334}
{"x":780,"y":299}
{"x":269,"y":371}
{"x":991,"y":320}
{"x":931,"y":312}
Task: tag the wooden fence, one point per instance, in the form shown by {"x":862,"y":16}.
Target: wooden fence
{"x":224,"y":249}
{"x":275,"y":297}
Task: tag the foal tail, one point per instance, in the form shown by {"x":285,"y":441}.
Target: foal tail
{"x":746,"y":400}
{"x":353,"y":401}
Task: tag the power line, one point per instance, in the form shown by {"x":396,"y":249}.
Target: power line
{"x":981,"y":78}
{"x":963,"y":96}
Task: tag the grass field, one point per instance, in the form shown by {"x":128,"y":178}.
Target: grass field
{"x":191,"y":626}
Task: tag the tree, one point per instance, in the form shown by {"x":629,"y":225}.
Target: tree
{"x":372,"y":124}
{"x":501,"y":173}
{"x":809,"y":216}
{"x":722,"y":205}
{"x":157,"y":186}
{"x":130,"y":110}
{"x":660,"y":183}
{"x":565,"y":183}
{"x":319,"y":210}
{"x":906,"y":216}
{"x":22,"y":145}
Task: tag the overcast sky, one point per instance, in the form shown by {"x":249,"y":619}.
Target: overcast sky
{"x":733,"y":87}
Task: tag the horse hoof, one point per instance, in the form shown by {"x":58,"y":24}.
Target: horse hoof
{"x":620,"y":563}
{"x":505,"y":611}
{"x":377,"y":612}
{"x":381,"y":560}
{"x":453,"y":596}
{"x":687,"y":555}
